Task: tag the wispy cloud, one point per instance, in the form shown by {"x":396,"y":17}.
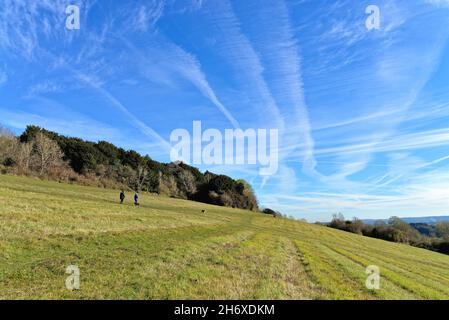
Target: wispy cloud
{"x":283,"y":65}
{"x":423,"y":196}
{"x":146,"y":16}
{"x":44,"y":88}
{"x":410,"y":141}
{"x":191,"y":70}
{"x":165,"y":59}
{"x":26,"y":26}
{"x":90,"y":129}
{"x":136,"y":122}
{"x":235,"y":47}
{"x":3,"y":77}
{"x":440,"y":3}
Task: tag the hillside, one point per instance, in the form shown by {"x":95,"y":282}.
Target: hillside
{"x":169,"y":249}
{"x":42,"y":153}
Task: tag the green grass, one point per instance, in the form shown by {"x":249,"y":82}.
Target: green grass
{"x":169,"y":249}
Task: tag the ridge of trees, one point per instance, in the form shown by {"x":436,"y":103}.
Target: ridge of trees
{"x":48,"y":154}
{"x":397,"y":230}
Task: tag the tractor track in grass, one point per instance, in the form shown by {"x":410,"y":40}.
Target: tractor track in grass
{"x":401,"y":278}
{"x":392,"y":285}
{"x":385,"y":257}
{"x":298,"y":263}
{"x":397,"y":249}
{"x":332,"y":280}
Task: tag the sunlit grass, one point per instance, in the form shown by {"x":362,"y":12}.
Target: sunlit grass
{"x":170,"y":249}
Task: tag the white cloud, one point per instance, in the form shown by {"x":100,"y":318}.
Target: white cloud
{"x":440,"y":3}
{"x":164,"y":59}
{"x":27,"y":24}
{"x":3,"y":77}
{"x":43,"y":88}
{"x":77,"y":127}
{"x":146,"y":16}
{"x":137,"y":123}
{"x":280,"y":50}
{"x":235,"y":47}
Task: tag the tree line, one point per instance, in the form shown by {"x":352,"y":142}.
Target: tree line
{"x":47,"y":154}
{"x":397,"y":230}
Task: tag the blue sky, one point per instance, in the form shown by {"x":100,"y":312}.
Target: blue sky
{"x":363,"y":115}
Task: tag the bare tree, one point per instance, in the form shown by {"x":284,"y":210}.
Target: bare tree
{"x":22,"y":156}
{"x":47,"y":153}
{"x":7,"y":142}
{"x":141,"y":175}
{"x":187,"y":181}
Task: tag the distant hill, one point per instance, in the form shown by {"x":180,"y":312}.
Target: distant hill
{"x":426,"y":220}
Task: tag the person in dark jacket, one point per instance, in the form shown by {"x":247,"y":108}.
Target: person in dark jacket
{"x":122,"y":196}
{"x":136,"y":199}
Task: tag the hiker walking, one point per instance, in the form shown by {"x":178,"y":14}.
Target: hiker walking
{"x":136,"y":199}
{"x":122,"y":196}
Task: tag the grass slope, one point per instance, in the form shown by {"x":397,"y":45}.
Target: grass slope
{"x":169,"y":249}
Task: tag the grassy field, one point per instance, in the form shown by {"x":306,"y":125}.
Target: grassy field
{"x":169,"y":249}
